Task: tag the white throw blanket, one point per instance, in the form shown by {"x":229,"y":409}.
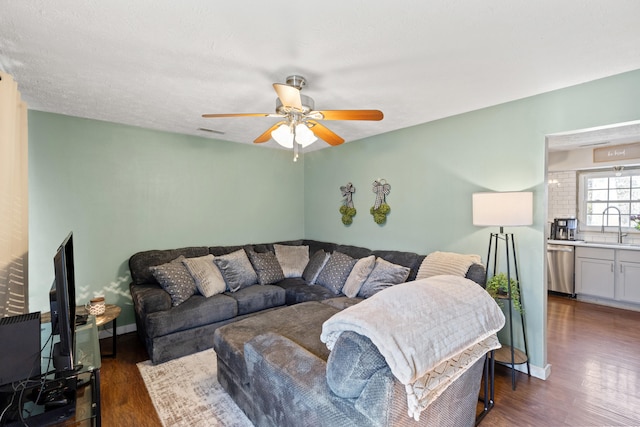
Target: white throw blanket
{"x":437,"y":263}
{"x":418,"y":326}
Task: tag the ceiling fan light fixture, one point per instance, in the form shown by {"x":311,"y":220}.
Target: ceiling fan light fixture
{"x":304,"y":135}
{"x":283,"y":135}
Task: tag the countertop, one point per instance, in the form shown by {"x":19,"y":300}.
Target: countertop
{"x":588,"y":244}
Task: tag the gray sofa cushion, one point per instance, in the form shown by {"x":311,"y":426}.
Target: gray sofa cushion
{"x":384,"y":274}
{"x":301,"y":323}
{"x":149,"y":298}
{"x":297,"y":291}
{"x":358,"y":275}
{"x":196,"y":311}
{"x":266,"y":266}
{"x":236,"y":269}
{"x":352,"y":362}
{"x":292,"y":259}
{"x":140,"y":262}
{"x":258,"y":297}
{"x":356,"y":252}
{"x":335,"y":272}
{"x":289,"y":387}
{"x":175,"y":279}
{"x":341,"y":302}
{"x":206,"y":274}
{"x":315,"y":265}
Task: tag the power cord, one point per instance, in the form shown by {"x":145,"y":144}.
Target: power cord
{"x":20,"y":387}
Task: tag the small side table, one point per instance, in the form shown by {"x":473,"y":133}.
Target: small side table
{"x":110,"y":314}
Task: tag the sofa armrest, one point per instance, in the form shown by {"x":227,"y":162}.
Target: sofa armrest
{"x":149,"y":298}
{"x":289,"y":384}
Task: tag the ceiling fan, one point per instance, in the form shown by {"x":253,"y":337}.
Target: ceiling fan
{"x":300,"y":122}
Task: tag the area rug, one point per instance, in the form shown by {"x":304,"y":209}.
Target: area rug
{"x":186,"y":392}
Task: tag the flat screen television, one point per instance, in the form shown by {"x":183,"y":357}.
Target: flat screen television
{"x":62,"y":299}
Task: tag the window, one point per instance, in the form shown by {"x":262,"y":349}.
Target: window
{"x":616,"y":192}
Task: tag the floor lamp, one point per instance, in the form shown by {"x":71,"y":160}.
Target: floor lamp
{"x":508,"y":209}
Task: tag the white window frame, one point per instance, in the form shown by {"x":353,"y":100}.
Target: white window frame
{"x":583,"y":176}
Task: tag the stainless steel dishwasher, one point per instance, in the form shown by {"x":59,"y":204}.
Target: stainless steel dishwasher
{"x":561,"y":264}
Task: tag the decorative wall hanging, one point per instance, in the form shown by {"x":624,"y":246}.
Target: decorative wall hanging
{"x":347,"y":210}
{"x":380,"y":208}
{"x":617,"y":152}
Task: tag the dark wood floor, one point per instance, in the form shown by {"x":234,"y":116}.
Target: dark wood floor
{"x":594,"y":352}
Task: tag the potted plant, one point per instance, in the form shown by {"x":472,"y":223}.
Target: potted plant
{"x":497,"y":288}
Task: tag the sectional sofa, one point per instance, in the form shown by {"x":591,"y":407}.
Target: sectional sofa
{"x":171,"y":330}
{"x":323,"y":334}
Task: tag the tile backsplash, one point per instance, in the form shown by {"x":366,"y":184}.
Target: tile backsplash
{"x":563,"y":194}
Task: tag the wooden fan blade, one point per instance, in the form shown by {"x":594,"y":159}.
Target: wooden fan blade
{"x":209,"y":116}
{"x":267,"y":135}
{"x":289,"y":95}
{"x":349,"y":114}
{"x":324,"y":133}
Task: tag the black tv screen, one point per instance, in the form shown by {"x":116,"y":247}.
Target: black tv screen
{"x":62,"y":298}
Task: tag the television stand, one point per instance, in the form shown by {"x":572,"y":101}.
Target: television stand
{"x":68,"y":397}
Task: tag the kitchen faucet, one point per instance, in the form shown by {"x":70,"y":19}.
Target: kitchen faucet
{"x":619,"y":222}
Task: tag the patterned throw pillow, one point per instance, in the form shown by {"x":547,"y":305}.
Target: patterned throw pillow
{"x":175,"y":279}
{"x":358,"y":275}
{"x":236,"y":270}
{"x":292,"y":259}
{"x":266,"y":266}
{"x":384,"y":274}
{"x":315,"y":266}
{"x":336,"y":271}
{"x":206,"y":274}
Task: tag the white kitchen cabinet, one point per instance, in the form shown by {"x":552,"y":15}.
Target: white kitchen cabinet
{"x":628,"y":276}
{"x":595,"y":272}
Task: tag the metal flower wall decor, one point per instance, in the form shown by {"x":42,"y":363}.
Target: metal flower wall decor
{"x":380,"y":208}
{"x":347,"y":210}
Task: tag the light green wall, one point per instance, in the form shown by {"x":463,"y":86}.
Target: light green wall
{"x":122,"y":189}
{"x":434,"y":169}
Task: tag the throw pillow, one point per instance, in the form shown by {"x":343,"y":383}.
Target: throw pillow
{"x":384,"y":274}
{"x":437,"y":263}
{"x":336,"y":271}
{"x":266,"y":266}
{"x":292,"y":259}
{"x":236,"y":270}
{"x":175,"y":279}
{"x":206,"y":274}
{"x":314,"y":266}
{"x":358,"y":275}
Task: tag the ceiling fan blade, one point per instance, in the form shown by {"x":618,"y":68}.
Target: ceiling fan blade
{"x":209,"y":116}
{"x":348,"y":115}
{"x":289,"y":95}
{"x":325,"y":133}
{"x":267,"y":135}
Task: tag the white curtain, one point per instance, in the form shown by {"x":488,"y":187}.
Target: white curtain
{"x":14,"y":225}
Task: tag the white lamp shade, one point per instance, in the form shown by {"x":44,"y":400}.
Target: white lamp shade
{"x":503,"y":209}
{"x":283,"y":136}
{"x":304,"y":135}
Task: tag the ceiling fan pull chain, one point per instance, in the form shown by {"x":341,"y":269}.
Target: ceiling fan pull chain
{"x":295,"y":145}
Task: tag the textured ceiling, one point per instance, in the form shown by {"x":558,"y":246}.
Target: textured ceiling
{"x":161,"y":64}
